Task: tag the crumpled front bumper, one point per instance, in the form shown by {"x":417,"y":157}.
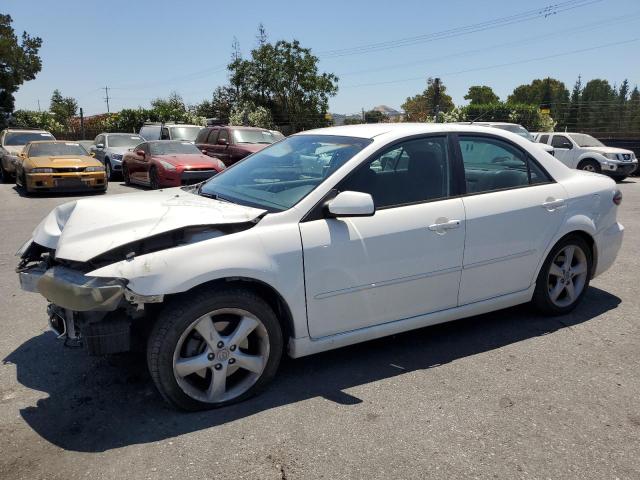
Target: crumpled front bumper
{"x":71,"y":289}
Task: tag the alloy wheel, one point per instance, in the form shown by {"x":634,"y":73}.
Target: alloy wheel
{"x":567,"y":276}
{"x":221,"y":355}
{"x":589,"y":168}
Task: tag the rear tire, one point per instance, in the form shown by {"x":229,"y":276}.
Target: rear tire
{"x":5,"y":177}
{"x":206,"y":337}
{"x":590,"y":165}
{"x":564,"y":277}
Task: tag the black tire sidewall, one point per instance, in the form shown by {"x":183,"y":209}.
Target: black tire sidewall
{"x":179,"y":314}
{"x":541,"y":295}
{"x":125,"y":175}
{"x":154,"y":181}
{"x":596,"y":165}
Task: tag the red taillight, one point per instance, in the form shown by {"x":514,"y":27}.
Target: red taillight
{"x":617,"y":197}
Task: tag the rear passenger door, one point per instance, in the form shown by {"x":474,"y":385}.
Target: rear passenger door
{"x":513,"y":210}
{"x":221,"y":151}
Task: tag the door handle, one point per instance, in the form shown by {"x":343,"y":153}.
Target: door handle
{"x":552,"y":205}
{"x":442,"y":227}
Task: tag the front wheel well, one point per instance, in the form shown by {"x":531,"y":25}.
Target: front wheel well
{"x":263,"y":290}
{"x":585,"y":160}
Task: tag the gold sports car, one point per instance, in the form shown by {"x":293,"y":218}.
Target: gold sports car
{"x":54,"y":166}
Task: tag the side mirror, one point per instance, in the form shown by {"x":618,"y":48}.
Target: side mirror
{"x":22,"y":155}
{"x":100,"y":146}
{"x":92,"y":154}
{"x":223,"y":141}
{"x":140,"y":153}
{"x":350,"y":204}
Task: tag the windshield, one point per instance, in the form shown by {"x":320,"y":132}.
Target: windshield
{"x":173,"y":148}
{"x":584,"y":140}
{"x":22,"y":138}
{"x":517,"y":129}
{"x":56,"y":149}
{"x":185,"y":133}
{"x":256,"y":136}
{"x":279,"y":176}
{"x":126,"y":141}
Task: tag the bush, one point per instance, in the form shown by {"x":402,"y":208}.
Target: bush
{"x":528,"y":116}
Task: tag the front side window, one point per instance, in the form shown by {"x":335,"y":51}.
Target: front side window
{"x":213,"y":136}
{"x":410,"y":172}
{"x":560,"y":141}
{"x":543,"y":139}
{"x":492,"y":164}
{"x":223,"y":135}
{"x":279,"y":176}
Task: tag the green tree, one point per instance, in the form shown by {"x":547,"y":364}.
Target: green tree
{"x":63,"y":108}
{"x":246,"y":113}
{"x":597,"y":115}
{"x":171,"y":108}
{"x":421,"y":107}
{"x":19,"y":63}
{"x":575,"y":106}
{"x":544,"y":91}
{"x":481,"y":95}
{"x":374,"y":116}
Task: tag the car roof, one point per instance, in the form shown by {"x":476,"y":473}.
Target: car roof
{"x":55,"y":141}
{"x":120,"y":134}
{"x":371,"y":130}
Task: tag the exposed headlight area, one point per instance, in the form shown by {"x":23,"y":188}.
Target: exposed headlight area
{"x":41,"y":170}
{"x":611,"y":156}
{"x":116,"y":156}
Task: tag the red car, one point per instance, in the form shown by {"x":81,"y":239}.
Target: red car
{"x":163,"y":163}
{"x":231,"y":144}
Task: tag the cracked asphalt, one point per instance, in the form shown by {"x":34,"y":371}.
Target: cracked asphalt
{"x":505,"y":395}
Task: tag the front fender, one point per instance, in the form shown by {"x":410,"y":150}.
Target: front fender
{"x":271,"y":255}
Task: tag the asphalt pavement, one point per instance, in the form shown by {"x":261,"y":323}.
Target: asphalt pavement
{"x":507,"y":395}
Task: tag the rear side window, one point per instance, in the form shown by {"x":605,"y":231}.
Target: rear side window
{"x":491,"y":164}
{"x":202,"y":136}
{"x":410,"y":172}
{"x":543,"y":139}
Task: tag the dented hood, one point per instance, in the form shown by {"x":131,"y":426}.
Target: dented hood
{"x":83,"y":229}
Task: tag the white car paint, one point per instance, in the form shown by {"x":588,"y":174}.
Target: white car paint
{"x":574,"y":156}
{"x":351,"y":279}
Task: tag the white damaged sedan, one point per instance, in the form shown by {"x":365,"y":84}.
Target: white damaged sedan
{"x":327,"y":238}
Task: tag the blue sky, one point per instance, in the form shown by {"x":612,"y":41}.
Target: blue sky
{"x":144,"y":49}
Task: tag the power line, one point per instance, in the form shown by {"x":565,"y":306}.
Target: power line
{"x":528,"y":60}
{"x":528,"y":15}
{"x":621,"y":19}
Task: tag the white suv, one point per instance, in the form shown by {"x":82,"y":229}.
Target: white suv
{"x":581,"y":151}
{"x":12,"y":141}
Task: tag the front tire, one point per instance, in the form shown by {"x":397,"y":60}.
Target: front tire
{"x":590,"y":165}
{"x":213,"y":348}
{"x":154,"y":181}
{"x":564,"y":277}
{"x":5,"y":177}
{"x":125,"y":175}
{"x":108,"y":169}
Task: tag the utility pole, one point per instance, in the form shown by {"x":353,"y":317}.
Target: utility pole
{"x":106,"y":98}
{"x":363,"y":115}
{"x":436,"y":97}
{"x":81,"y":123}
{"x":39,"y":111}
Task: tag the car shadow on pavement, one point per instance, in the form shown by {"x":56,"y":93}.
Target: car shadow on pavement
{"x":59,"y":194}
{"x":97,"y":404}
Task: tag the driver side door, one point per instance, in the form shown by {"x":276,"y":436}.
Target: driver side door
{"x":403,"y":261}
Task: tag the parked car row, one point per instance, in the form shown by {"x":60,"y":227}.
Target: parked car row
{"x":161,"y":155}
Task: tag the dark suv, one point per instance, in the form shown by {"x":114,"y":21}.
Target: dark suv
{"x":231,"y":144}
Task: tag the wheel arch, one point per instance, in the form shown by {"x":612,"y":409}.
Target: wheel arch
{"x":582,"y":231}
{"x":586,"y":157}
{"x":265,"y":291}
